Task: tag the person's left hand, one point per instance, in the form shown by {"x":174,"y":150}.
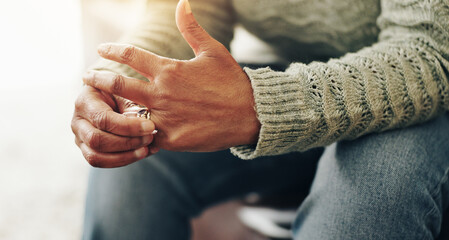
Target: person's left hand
{"x":203,"y":104}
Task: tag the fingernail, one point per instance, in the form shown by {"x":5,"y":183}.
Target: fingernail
{"x":103,"y":48}
{"x":141,"y":152}
{"x":147,"y":126}
{"x":188,"y":8}
{"x":88,"y":75}
{"x":147,"y":139}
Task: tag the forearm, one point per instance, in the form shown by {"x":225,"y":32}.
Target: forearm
{"x":400,"y":81}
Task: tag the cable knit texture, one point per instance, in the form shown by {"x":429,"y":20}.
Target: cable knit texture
{"x":357,"y":66}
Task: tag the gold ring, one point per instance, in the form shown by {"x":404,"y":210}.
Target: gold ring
{"x":138,"y":111}
{"x":144,"y":113}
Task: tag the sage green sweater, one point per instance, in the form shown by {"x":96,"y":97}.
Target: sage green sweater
{"x":357,"y":66}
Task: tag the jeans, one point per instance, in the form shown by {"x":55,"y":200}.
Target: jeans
{"x":392,"y":185}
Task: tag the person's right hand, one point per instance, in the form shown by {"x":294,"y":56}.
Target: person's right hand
{"x":107,"y":138}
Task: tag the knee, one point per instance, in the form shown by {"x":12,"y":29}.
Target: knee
{"x":382,"y":183}
{"x":394,"y":168}
{"x":395,"y":176}
{"x":380,"y":197}
{"x":401,"y":163}
{"x":405,"y":152}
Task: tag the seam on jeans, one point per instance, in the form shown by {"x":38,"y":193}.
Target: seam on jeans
{"x":442,"y":181}
{"x":435,"y":195}
{"x":431,"y":211}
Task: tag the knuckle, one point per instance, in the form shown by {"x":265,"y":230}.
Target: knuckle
{"x":93,"y":80}
{"x":173,"y":67}
{"x":127,"y":54}
{"x":171,"y":72}
{"x":92,"y":159}
{"x":73,"y":125}
{"x":176,"y":143}
{"x":193,"y":27}
{"x":93,"y":140}
{"x":220,"y":47}
{"x":217,"y":50}
{"x":100,"y":120}
{"x":131,"y":143}
{"x":118,"y":83}
{"x":79,"y":103}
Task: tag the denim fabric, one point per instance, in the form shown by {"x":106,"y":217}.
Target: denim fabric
{"x":156,"y":197}
{"x":392,"y":185}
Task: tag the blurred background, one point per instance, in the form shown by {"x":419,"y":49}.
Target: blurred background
{"x":42,"y":175}
{"x":45,"y":47}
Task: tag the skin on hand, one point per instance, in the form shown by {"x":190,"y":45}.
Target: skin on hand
{"x":107,"y":138}
{"x":203,"y":104}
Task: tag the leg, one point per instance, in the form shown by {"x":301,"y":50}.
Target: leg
{"x":155,"y":198}
{"x":392,"y":185}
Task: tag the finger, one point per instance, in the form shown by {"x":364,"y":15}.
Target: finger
{"x":91,"y":107}
{"x":78,"y":141}
{"x":198,"y":39}
{"x":112,"y":160}
{"x":153,"y":150}
{"x":106,"y":142}
{"x":146,"y":63}
{"x":123,"y":104}
{"x":129,"y":88}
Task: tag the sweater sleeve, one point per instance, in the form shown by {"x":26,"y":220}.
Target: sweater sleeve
{"x":158,"y":33}
{"x":399,"y":81}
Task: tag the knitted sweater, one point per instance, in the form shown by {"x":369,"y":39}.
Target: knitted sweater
{"x":357,"y":66}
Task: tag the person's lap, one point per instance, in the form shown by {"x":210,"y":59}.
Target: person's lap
{"x":380,"y":186}
{"x":154,"y":198}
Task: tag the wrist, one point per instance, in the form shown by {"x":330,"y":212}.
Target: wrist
{"x":251,"y":128}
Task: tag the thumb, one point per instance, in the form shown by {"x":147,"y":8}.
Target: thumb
{"x":198,"y":39}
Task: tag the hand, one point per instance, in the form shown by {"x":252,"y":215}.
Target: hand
{"x":106,"y":138}
{"x":203,"y":104}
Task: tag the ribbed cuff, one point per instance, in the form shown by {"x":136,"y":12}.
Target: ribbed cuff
{"x":281,"y":110}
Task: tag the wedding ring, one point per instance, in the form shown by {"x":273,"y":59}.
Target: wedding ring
{"x":144,"y":113}
{"x":137,"y":111}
